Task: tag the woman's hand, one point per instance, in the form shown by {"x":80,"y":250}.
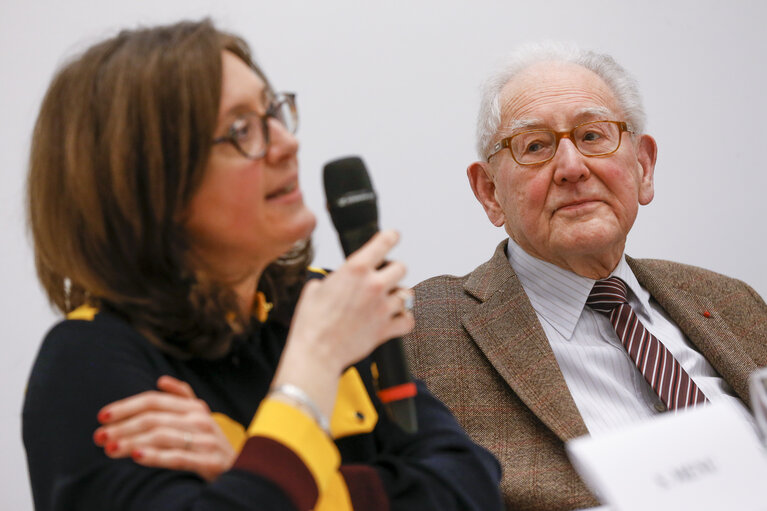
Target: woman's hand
{"x":342,"y":318}
{"x":169,"y":428}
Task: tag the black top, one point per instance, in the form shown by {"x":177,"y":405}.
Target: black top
{"x":84,"y":365}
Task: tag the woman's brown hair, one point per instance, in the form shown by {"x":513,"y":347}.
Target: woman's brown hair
{"x":118,"y":150}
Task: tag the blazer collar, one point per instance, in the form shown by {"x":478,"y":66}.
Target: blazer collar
{"x":506,"y":329}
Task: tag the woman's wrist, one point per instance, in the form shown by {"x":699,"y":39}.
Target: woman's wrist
{"x":313,"y":368}
{"x":296,"y":397}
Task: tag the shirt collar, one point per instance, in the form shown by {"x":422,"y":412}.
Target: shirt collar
{"x":559,"y":295}
{"x":623,"y":271}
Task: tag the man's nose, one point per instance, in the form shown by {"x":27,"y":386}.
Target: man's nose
{"x":569,"y":163}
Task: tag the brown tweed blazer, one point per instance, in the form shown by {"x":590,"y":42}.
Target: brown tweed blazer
{"x":480,"y":348}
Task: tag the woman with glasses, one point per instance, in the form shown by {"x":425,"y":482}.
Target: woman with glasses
{"x":169,"y":228}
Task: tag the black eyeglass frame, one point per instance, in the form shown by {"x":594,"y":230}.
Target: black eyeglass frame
{"x":559,"y":135}
{"x":280,"y":99}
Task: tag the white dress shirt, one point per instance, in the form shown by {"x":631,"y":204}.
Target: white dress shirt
{"x":607,"y":387}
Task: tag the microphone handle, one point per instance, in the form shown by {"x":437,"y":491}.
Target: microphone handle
{"x":396,"y":389}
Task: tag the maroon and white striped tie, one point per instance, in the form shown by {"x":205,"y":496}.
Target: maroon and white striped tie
{"x":664,"y":374}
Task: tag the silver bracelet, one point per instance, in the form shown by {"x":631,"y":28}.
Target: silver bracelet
{"x":301,"y":400}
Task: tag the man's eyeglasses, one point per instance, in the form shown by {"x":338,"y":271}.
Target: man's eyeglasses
{"x":597,"y":138}
{"x":249,"y":133}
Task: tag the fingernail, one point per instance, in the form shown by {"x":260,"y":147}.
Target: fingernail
{"x":104,"y":416}
{"x":100,"y":436}
{"x":136,"y":454}
{"x":111,"y":447}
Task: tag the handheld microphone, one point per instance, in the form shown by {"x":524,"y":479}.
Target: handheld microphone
{"x":353,"y":209}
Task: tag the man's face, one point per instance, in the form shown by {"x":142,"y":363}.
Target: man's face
{"x":572,"y":210}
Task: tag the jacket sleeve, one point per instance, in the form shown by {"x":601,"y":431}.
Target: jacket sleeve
{"x":284,"y":464}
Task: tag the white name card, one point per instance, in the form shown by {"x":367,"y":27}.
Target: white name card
{"x":706,"y":459}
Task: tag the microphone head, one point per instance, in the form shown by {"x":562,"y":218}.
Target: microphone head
{"x":351,"y":200}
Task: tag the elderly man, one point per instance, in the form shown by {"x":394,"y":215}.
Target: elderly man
{"x":561,"y":334}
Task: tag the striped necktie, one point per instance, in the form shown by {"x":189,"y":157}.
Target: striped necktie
{"x":664,"y":374}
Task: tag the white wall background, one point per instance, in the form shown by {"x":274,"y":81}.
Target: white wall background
{"x":396,"y":82}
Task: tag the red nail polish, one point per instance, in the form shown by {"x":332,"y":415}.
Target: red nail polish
{"x":104,"y":416}
{"x":706,"y":314}
{"x":136,"y":454}
{"x":99,"y":437}
{"x":111,"y":447}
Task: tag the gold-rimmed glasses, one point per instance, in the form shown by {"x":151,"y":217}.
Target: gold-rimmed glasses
{"x":533,"y":147}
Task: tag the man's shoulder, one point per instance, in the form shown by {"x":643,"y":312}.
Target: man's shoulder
{"x":441,"y":297}
{"x":664,"y":280}
{"x":673,"y":267}
{"x":441,"y":282}
{"x":479,"y":283}
{"x":680,"y":274}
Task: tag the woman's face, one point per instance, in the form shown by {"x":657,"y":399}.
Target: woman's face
{"x":246,"y":213}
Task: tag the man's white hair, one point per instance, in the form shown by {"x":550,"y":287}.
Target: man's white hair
{"x":623,"y":85}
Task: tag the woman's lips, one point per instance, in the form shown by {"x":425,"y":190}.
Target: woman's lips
{"x":288,"y":194}
{"x":285,"y":190}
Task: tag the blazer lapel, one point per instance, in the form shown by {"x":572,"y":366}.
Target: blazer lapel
{"x":505,"y":327}
{"x":709,"y":333}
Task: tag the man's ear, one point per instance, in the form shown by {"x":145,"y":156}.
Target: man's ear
{"x":647,"y":153}
{"x":483,"y":186}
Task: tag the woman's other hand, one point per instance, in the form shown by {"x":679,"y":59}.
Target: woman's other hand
{"x":169,"y":428}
